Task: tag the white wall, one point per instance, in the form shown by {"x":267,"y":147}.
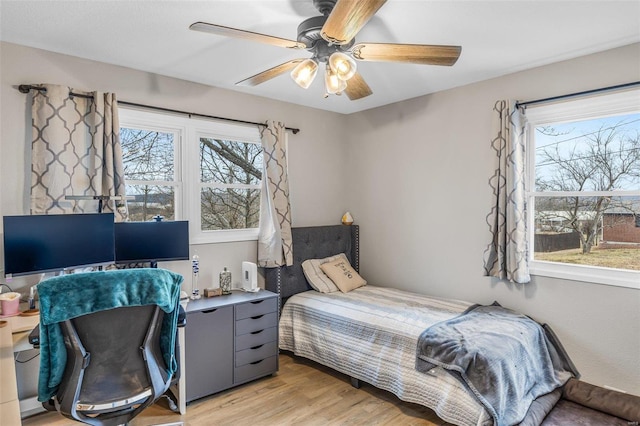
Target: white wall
{"x":318,"y":196}
{"x":419,"y":174}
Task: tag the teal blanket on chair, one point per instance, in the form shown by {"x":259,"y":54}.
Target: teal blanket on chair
{"x":70,"y":296}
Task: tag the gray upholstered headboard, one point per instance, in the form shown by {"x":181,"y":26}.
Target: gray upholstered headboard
{"x":314,"y":242}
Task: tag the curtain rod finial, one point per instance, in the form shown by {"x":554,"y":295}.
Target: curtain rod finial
{"x":24,"y":88}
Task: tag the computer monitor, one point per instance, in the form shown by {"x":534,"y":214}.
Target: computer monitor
{"x":151,"y":241}
{"x":50,"y":243}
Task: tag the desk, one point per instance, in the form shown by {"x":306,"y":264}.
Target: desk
{"x":14,"y":337}
{"x":9,"y":405}
{"x":180,"y":391}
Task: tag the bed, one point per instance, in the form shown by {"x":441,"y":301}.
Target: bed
{"x":371,"y":333}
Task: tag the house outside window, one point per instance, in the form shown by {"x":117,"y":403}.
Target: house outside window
{"x":584,"y":189}
{"x":203,"y":171}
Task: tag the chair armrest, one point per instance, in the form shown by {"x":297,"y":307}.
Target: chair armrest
{"x":182,"y":317}
{"x":34,"y":337}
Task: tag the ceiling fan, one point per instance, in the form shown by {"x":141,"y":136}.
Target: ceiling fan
{"x":330,"y":39}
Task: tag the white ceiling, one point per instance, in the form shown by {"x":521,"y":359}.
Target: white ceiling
{"x":497,"y":38}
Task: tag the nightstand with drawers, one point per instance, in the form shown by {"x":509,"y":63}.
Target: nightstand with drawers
{"x":230,"y":340}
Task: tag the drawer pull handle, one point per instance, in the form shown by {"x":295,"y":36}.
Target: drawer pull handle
{"x":209,"y":311}
{"x":257,"y":317}
{"x":256,"y":302}
{"x":257,"y":332}
{"x":256,"y":362}
{"x":257,"y":347}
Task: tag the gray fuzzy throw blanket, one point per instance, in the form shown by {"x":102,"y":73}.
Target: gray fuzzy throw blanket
{"x":506,"y":359}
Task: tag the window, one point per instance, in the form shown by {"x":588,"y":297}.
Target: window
{"x":220,"y":195}
{"x":584,"y":189}
{"x":230,"y":175}
{"x":150,"y":171}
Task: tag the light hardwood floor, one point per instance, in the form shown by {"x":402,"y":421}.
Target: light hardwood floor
{"x":301,"y":393}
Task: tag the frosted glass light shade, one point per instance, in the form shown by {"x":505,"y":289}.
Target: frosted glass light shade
{"x":347,"y":219}
{"x":343,"y":65}
{"x":304,"y":73}
{"x":333,"y":84}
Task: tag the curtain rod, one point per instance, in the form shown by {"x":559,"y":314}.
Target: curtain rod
{"x":571,"y":95}
{"x":25,"y":88}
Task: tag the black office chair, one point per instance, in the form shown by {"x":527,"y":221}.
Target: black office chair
{"x":115,"y":367}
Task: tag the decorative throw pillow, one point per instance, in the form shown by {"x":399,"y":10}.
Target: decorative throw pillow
{"x":318,"y":279}
{"x":343,"y":275}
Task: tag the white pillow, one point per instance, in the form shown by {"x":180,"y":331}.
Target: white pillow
{"x":316,"y":277}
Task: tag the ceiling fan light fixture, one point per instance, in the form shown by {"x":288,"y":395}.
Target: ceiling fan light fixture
{"x":343,"y":65}
{"x":330,"y":39}
{"x":333,"y":83}
{"x":304,"y":73}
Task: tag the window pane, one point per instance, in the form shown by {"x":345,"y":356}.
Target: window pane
{"x":150,"y":201}
{"x":597,"y":231}
{"x":230,"y":208}
{"x":600,"y":154}
{"x":147,"y":154}
{"x":230,"y":162}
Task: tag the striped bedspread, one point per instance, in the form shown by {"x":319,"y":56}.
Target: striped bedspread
{"x":371,"y":334}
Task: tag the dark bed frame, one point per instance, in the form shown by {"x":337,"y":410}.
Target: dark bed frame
{"x":313,"y":242}
{"x":581,"y":403}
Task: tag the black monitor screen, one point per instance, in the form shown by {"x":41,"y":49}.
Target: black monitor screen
{"x":151,"y":241}
{"x":45,"y":243}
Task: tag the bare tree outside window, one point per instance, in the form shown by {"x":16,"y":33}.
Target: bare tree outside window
{"x":231,"y":174}
{"x":586,"y":181}
{"x":182,"y":168}
{"x":149,"y":167}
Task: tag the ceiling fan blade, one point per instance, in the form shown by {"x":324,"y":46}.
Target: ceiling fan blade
{"x":347,"y":18}
{"x":357,"y":88}
{"x":247,"y":35}
{"x":411,"y":53}
{"x":269,"y":74}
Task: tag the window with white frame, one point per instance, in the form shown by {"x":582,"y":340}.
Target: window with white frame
{"x":230,"y":176}
{"x":584,"y":189}
{"x":151,"y":174}
{"x":204,"y":171}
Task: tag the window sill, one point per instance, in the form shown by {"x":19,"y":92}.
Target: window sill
{"x":587,"y":274}
{"x":225,"y":236}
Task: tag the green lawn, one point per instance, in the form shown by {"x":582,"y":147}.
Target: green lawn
{"x":627,"y":258}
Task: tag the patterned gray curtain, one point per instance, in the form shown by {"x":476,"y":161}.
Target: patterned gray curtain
{"x":75,"y":152}
{"x":507,"y":254}
{"x":275,"y":246}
